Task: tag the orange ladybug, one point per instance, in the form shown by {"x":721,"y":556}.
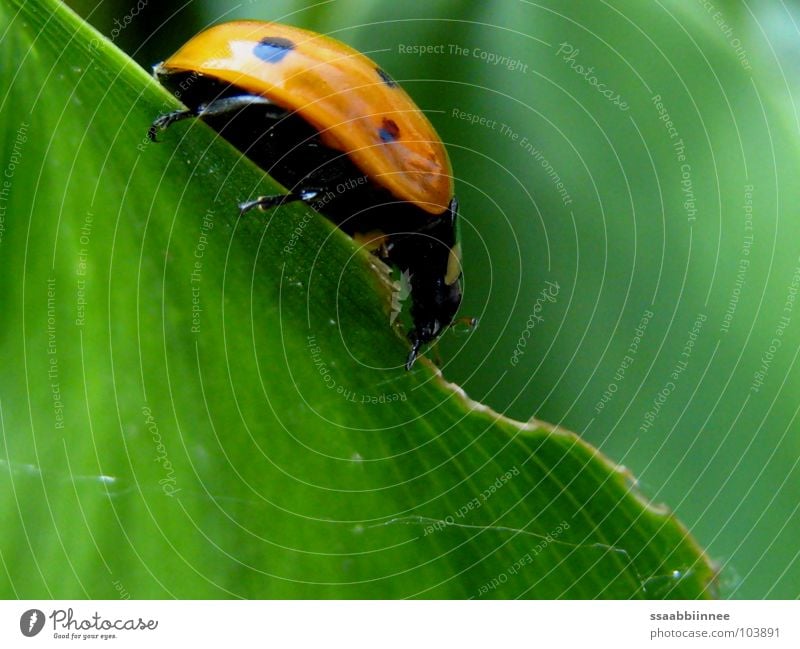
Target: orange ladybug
{"x":336,"y":130}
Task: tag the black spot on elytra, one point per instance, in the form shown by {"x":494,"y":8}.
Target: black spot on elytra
{"x":386,"y":78}
{"x":272,"y":49}
{"x":389,"y":130}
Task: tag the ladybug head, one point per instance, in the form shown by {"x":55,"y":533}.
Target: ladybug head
{"x":435,"y":280}
{"x":432,"y":316}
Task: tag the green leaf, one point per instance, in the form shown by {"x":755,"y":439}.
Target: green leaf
{"x":196,"y":405}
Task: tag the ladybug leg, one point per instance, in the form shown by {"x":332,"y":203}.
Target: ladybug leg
{"x":214,"y":108}
{"x":163,"y":121}
{"x":268,"y":202}
{"x":467,"y":323}
{"x":232,"y":105}
{"x":412,"y":355}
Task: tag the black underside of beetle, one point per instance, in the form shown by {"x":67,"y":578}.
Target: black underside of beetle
{"x":289,"y":149}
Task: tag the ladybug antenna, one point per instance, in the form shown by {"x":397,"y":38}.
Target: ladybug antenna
{"x":465,"y":324}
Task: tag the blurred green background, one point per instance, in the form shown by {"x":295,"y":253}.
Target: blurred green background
{"x":638,"y":162}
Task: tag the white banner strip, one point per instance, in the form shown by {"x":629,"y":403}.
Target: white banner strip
{"x":401,"y":624}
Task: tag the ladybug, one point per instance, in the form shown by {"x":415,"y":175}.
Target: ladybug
{"x":337,"y":131}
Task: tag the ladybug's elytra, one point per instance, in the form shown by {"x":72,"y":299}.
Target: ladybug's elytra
{"x":319,"y":116}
